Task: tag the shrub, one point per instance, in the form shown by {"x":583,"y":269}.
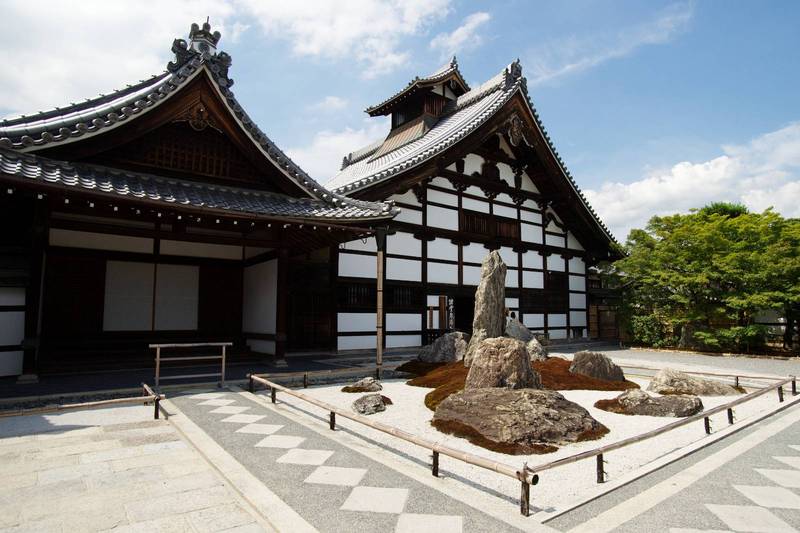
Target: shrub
{"x":650,"y":331}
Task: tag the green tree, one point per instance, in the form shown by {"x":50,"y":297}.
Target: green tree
{"x":705,"y":275}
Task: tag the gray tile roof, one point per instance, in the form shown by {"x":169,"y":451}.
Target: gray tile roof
{"x":27,"y":169}
{"x":94,"y":116}
{"x":467,"y":114}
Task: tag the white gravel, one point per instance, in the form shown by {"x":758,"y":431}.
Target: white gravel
{"x":558,"y":487}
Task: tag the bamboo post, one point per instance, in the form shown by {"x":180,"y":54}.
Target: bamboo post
{"x":435,"y":467}
{"x":730,"y":415}
{"x":222,"y":372}
{"x":780,"y":394}
{"x":708,"y":425}
{"x":332,"y":421}
{"x":525,"y":499}
{"x":158,"y":363}
{"x":601,"y":475}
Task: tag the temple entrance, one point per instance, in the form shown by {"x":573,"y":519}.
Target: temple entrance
{"x":463,"y":312}
{"x":310,"y":303}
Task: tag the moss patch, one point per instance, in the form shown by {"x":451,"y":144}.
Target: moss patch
{"x":556,"y":376}
{"x":468,"y":432}
{"x":418,"y":368}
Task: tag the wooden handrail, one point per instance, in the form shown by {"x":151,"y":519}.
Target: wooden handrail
{"x":145,"y":399}
{"x":159,"y":360}
{"x":190,"y":345}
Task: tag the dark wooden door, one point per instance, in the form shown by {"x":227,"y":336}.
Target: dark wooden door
{"x":310,"y":306}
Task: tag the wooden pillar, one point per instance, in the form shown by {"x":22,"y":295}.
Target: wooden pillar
{"x":282,"y":303}
{"x":380,"y":239}
{"x":34,"y":294}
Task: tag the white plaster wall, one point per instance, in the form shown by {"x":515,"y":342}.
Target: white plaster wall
{"x":532,"y":280}
{"x":509,"y":256}
{"x":441,"y":217}
{"x":11,"y":363}
{"x":555,"y":263}
{"x":472,"y":163}
{"x":573,"y":243}
{"x":527,"y":184}
{"x":557,"y":333}
{"x":358,"y":266}
{"x":12,"y":327}
{"x":577,"y":265}
{"x":200,"y":249}
{"x":261,"y":346}
{"x":442,"y":249}
{"x":432,"y":300}
{"x":409,"y":215}
{"x":577,"y":318}
{"x":532,"y":260}
{"x":472,"y":275}
{"x":553,"y":240}
{"x":443,"y":183}
{"x":531,"y":233}
{"x":442,"y":198}
{"x":356,"y":343}
{"x":475,"y":191}
{"x":512,"y":278}
{"x":503,"y":197}
{"x":403,"y":341}
{"x":507,"y":212}
{"x":577,"y":301}
{"x":403,"y":269}
{"x":128,"y":298}
{"x":512,"y":303}
{"x":403,"y":244}
{"x":259,"y":299}
{"x":506,"y":174}
{"x":530,"y":216}
{"x":100,"y":241}
{"x":577,"y":283}
{"x":407,"y":197}
{"x":475,"y":205}
{"x":177,"y":295}
{"x":12,"y":296}
{"x":556,"y":320}
{"x":356,"y":321}
{"x":365,"y":245}
{"x":403,"y":321}
{"x":533,"y":320}
{"x":441,"y":273}
{"x":474,"y":253}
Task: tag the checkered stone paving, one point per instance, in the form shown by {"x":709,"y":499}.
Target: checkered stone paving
{"x":331,"y":486}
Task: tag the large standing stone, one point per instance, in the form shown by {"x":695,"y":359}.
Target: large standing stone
{"x":490,"y":304}
{"x":370,"y":404}
{"x":596,"y":365}
{"x":638,"y":402}
{"x":368,"y":384}
{"x":669,"y":381}
{"x":502,"y":362}
{"x":516,"y":421}
{"x":517,"y":330}
{"x":448,"y":348}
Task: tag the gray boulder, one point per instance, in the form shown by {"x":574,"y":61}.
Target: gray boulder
{"x":638,"y":402}
{"x":502,"y":362}
{"x":370,"y":404}
{"x":516,"y":421}
{"x":490,"y":304}
{"x":517,"y":330}
{"x":368,"y":384}
{"x":596,"y":365}
{"x":448,"y":348}
{"x":669,"y":381}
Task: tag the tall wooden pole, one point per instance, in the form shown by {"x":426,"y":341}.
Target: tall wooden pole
{"x":380,"y":239}
{"x":282,"y":303}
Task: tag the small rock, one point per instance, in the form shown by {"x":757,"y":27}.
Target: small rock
{"x":502,"y":362}
{"x":516,"y":421}
{"x":517,"y":330}
{"x":490,"y":304}
{"x":368,"y":384}
{"x":669,"y":381}
{"x":596,"y":365}
{"x":638,"y":402}
{"x":448,"y":348}
{"x":536,"y":351}
{"x":370,"y":404}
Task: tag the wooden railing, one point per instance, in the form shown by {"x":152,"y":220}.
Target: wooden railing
{"x":147,"y":397}
{"x":526,"y":475}
{"x":221,"y":357}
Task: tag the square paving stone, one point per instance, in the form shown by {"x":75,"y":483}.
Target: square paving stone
{"x":784,"y":478}
{"x":207,"y":396}
{"x":337,"y":475}
{"x":243,"y":419}
{"x":792,"y":460}
{"x":775,"y":497}
{"x":298,"y":456}
{"x":230,"y":410}
{"x":376,"y":500}
{"x":429,"y":523}
{"x":280,"y":441}
{"x":217,"y":402}
{"x":692,"y":530}
{"x":259,"y":429}
{"x":750,"y":518}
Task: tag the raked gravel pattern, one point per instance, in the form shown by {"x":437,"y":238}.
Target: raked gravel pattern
{"x":330,"y":485}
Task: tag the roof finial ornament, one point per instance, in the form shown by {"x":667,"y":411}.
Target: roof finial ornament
{"x":453,"y":62}
{"x":202,"y":39}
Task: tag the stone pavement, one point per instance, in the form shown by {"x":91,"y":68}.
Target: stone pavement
{"x":749,"y":482}
{"x":329,"y":485}
{"x":111,"y":469}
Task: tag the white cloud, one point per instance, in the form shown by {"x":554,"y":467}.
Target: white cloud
{"x":762,"y":173}
{"x":463,"y":38}
{"x":366,"y":31}
{"x":576,"y":54}
{"x":322,"y":158}
{"x":328,"y":104}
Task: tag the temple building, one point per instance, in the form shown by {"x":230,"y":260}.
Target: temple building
{"x":472,"y":170}
{"x":161,"y":213}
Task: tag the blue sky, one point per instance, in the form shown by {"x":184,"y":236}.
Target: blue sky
{"x":656,"y":107}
